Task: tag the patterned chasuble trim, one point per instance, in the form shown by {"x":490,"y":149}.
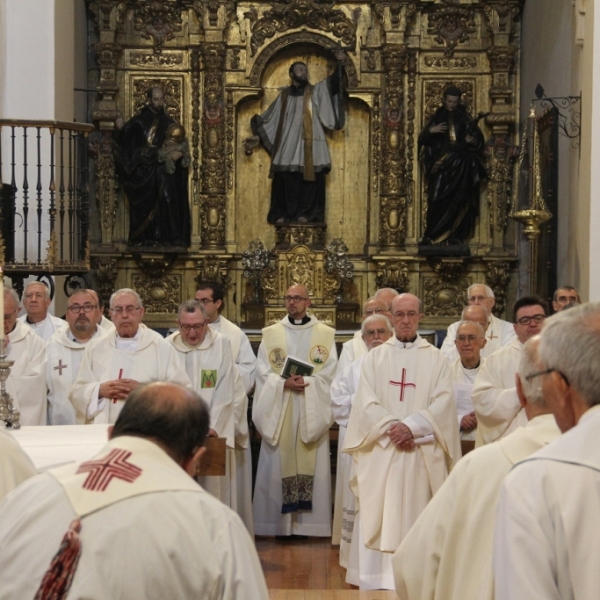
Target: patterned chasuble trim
{"x":102,"y":471}
{"x":297,"y":493}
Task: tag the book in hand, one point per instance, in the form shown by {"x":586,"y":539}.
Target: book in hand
{"x":295,"y":366}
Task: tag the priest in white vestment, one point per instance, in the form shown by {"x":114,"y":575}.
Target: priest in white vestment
{"x":212,"y":297}
{"x":548,"y":519}
{"x":376,"y":330}
{"x":403,"y":438}
{"x":498,"y":331}
{"x":292,"y":493}
{"x":447,"y":554}
{"x":36,"y":301}
{"x":356,"y":347}
{"x":26,"y":383}
{"x":564,"y":296}
{"x":117,"y":363}
{"x":494,"y":393}
{"x":470,"y":341}
{"x":15,"y":466}
{"x":207,"y":358}
{"x":476,"y":314}
{"x":143,"y":530}
{"x":65,"y":350}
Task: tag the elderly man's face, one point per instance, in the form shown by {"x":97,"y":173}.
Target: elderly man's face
{"x":11,"y":311}
{"x":554,"y":389}
{"x":36,"y":302}
{"x":376,"y":333}
{"x":529,"y":322}
{"x":375,"y":307}
{"x":405,"y":317}
{"x":479,"y":297}
{"x":193,"y":327}
{"x":83,"y":313}
{"x":469,"y":343}
{"x":127,"y":314}
{"x":564,"y":297}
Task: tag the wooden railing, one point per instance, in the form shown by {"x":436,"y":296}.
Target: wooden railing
{"x":44,"y":197}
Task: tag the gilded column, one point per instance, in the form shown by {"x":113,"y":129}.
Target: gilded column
{"x":213,"y":172}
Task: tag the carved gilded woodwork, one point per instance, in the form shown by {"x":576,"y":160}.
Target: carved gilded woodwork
{"x":293,"y":14}
{"x":215,"y":59}
{"x":104,"y":273}
{"x":160,"y":292}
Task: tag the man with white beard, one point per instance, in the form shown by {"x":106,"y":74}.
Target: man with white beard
{"x":376,"y":330}
{"x":36,"y":301}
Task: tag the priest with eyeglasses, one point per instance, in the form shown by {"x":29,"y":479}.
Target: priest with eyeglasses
{"x":208,"y":360}
{"x":65,"y":350}
{"x":116,"y":364}
{"x":494,"y":392}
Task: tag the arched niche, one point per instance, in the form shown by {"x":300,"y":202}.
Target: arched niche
{"x":348,"y":207}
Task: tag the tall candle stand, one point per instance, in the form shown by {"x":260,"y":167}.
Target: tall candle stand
{"x":8,"y":414}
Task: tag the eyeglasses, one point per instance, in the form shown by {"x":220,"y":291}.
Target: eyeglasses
{"x":206,"y":301}
{"x":411,"y":314}
{"x":472,"y":299}
{"x":377,"y":311}
{"x":546,"y":372}
{"x":462,"y":339}
{"x":527,"y":320}
{"x":124,"y":309}
{"x":294,"y":298}
{"x":86,"y":308}
{"x":196,"y":328}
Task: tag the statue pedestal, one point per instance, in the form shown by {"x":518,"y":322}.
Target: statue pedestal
{"x":455,"y":250}
{"x":289,"y":235}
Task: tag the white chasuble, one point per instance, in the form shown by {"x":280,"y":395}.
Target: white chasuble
{"x":154,"y":360}
{"x":497,"y":406}
{"x":26,"y":383}
{"x":411,"y":385}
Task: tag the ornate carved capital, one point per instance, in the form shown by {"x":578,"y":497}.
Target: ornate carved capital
{"x":497,"y":276}
{"x":104,"y":272}
{"x":108,"y":15}
{"x":450,"y":26}
{"x":393,"y":274}
{"x":212,"y":268}
{"x":293,"y":14}
{"x":502,"y":58}
{"x":444,"y":294}
{"x":498,"y":15}
{"x":159,"y":21}
{"x":160,"y":292}
{"x":311,"y":235}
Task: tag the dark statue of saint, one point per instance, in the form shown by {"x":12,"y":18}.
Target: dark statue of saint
{"x":152,"y":160}
{"x":451,"y":149}
{"x":292,"y":130}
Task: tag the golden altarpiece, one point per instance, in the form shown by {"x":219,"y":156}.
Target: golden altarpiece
{"x":220,"y":62}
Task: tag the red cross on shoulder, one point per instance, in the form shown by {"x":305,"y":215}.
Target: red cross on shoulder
{"x":102,"y":471}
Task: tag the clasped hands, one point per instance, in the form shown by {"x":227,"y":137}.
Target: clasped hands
{"x":402,"y":437}
{"x":117,"y":389}
{"x":295,"y":383}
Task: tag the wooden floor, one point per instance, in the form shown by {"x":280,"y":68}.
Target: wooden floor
{"x":308,"y":570}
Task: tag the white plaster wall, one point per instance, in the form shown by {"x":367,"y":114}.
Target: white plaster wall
{"x":548,"y":47}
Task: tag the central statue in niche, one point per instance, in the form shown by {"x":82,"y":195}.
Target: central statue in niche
{"x":292,"y":130}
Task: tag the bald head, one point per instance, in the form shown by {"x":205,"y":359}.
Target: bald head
{"x":297,"y":301}
{"x":406,"y":314}
{"x":477,"y":314}
{"x":387,"y":295}
{"x":167,"y":414}
{"x":375,"y":306}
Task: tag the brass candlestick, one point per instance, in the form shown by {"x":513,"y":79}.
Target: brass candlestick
{"x":8,"y":414}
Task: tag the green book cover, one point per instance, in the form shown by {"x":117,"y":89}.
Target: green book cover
{"x":295,"y":366}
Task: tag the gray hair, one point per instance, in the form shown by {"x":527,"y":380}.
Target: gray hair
{"x":8,"y":291}
{"x":528,"y":364}
{"x":382,"y":291}
{"x":373,"y":318}
{"x":46,"y":289}
{"x":466,"y":322}
{"x":192,"y":306}
{"x":570,"y":343}
{"x":126,"y":291}
{"x":489,"y":293}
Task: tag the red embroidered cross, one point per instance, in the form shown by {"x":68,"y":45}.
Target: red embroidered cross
{"x":403,"y":384}
{"x":60,"y":367}
{"x":492,"y":336}
{"x":102,"y":471}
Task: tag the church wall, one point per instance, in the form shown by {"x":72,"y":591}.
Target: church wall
{"x":547,"y":55}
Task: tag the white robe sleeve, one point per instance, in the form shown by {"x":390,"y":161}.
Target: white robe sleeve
{"x":222,"y":415}
{"x":246,"y":362}
{"x":342,"y":391}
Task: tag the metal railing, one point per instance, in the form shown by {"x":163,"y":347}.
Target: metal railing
{"x":44,"y":197}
